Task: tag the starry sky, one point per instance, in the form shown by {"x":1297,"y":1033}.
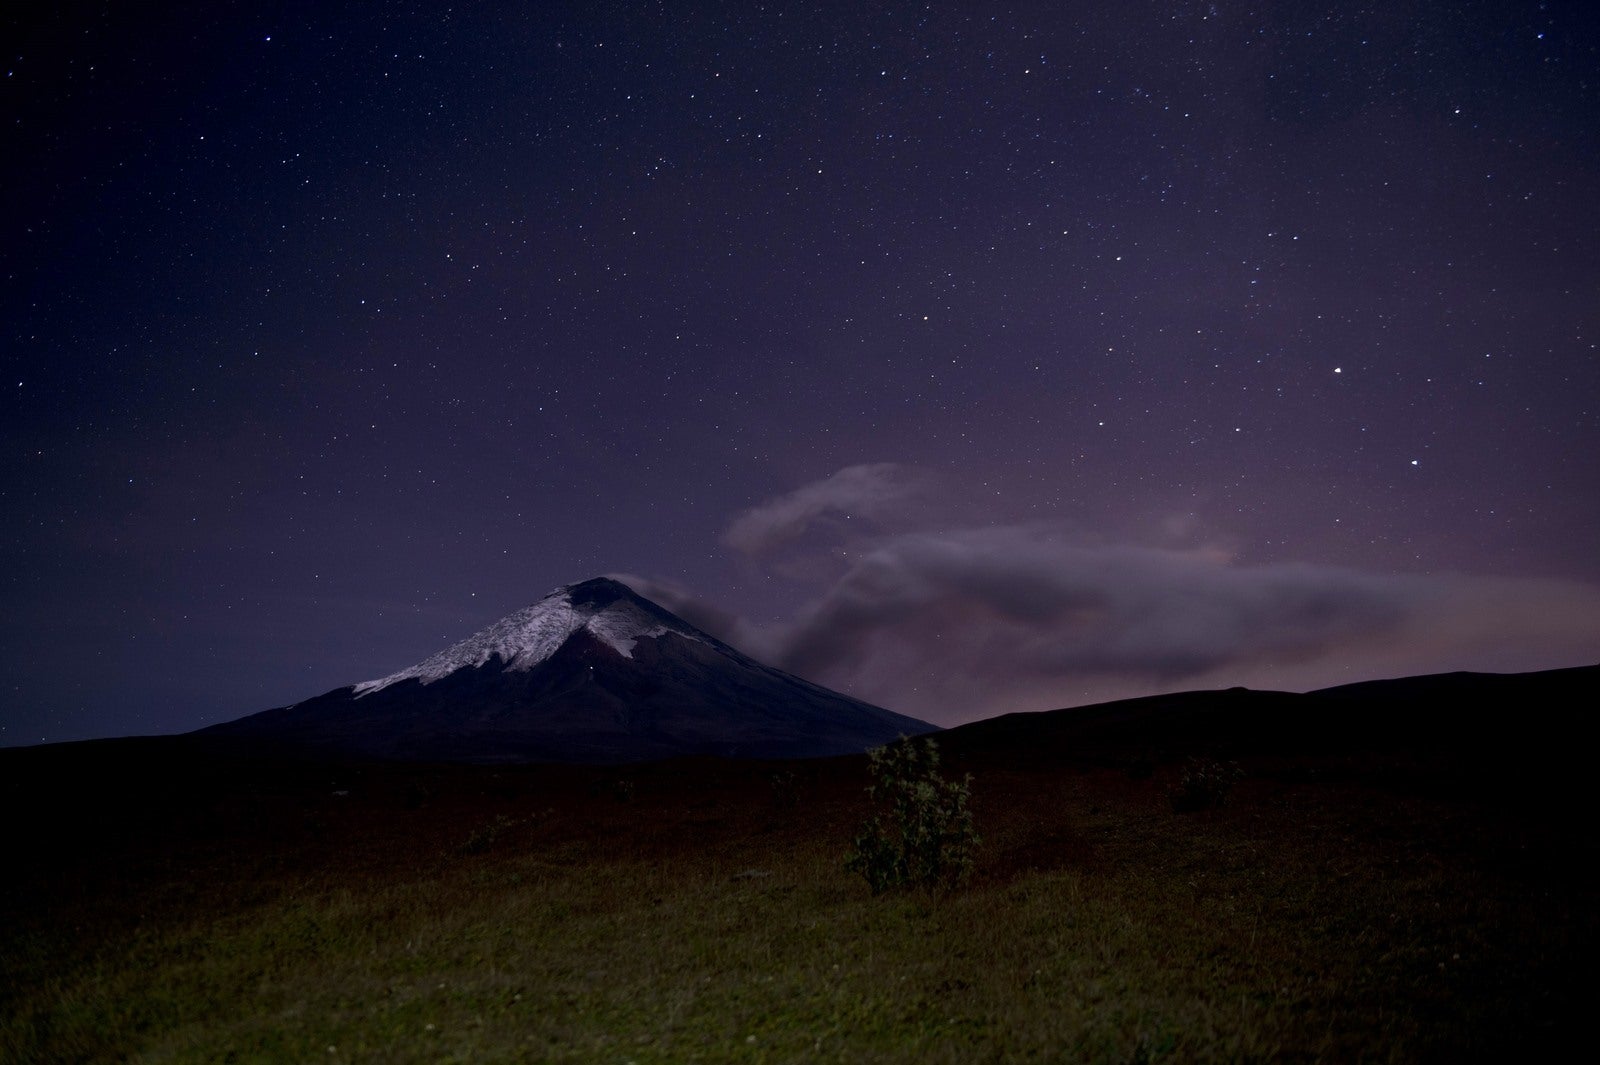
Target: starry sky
{"x":967,"y":357}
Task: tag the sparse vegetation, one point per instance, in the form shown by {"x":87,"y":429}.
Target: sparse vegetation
{"x":785,"y":792}
{"x":157,"y":914}
{"x":619,"y":788}
{"x":484,"y":837}
{"x":921,"y":833}
{"x":1141,"y":766}
{"x":1204,"y":785}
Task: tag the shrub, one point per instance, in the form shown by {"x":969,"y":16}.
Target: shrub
{"x":1203,"y":786}
{"x":485,"y":836}
{"x":921,"y":833}
{"x":1141,"y":766}
{"x":619,"y":788}
{"x":785,"y":792}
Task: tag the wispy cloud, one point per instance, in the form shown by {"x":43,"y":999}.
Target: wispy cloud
{"x":970,"y":623}
{"x":865,"y":493}
{"x":1070,"y":610}
{"x":725,"y":625}
{"x":961,"y":622}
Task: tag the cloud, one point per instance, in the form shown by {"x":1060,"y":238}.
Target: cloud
{"x":869,"y":492}
{"x":1065,"y":609}
{"x":704,"y":615}
{"x":914,"y":606}
{"x":969,"y":623}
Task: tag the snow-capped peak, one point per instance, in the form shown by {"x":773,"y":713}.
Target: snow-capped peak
{"x":610,"y":612}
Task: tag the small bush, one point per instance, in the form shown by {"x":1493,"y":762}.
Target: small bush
{"x":415,"y":795}
{"x":619,"y":788}
{"x":785,"y":792}
{"x":485,"y":836}
{"x":1203,"y":786}
{"x":921,"y":834}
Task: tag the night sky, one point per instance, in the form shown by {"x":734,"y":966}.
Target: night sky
{"x":966,"y":357}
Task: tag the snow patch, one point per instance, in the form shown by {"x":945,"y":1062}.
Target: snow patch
{"x":531,"y":635}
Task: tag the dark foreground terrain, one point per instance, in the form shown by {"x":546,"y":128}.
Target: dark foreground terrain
{"x":1420,"y":894}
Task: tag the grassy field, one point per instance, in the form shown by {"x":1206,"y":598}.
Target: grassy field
{"x":168,"y":911}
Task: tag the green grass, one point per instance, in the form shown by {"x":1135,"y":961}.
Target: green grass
{"x":532,"y":915}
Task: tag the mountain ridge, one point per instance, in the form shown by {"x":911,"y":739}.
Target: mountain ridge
{"x":592,"y":672}
{"x":1486,"y":713}
{"x":523,"y":639}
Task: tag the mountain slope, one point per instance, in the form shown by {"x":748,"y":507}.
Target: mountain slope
{"x":1484,"y":715}
{"x":593,"y":672}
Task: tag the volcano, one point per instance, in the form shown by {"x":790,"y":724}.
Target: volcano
{"x":593,"y":672}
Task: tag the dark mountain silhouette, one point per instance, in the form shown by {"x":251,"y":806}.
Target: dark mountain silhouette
{"x":593,"y":672}
{"x":1478,"y":715}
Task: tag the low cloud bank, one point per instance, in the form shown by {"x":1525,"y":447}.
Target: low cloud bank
{"x":1052,"y":608}
{"x":964,"y":623}
{"x":971,"y":623}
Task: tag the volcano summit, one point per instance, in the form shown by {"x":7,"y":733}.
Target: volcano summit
{"x":593,"y":672}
